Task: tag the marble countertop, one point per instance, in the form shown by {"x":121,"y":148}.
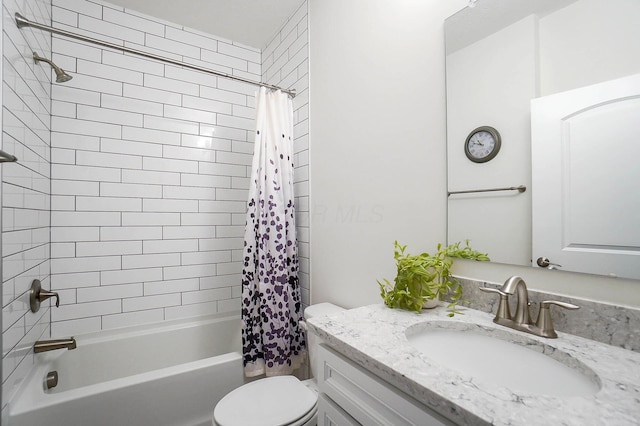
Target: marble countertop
{"x":374,"y":337}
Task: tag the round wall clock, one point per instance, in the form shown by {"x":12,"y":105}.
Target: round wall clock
{"x":482,"y":144}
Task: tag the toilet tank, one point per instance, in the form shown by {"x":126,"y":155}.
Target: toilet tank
{"x":314,"y":311}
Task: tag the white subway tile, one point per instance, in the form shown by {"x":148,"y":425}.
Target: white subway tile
{"x":229,"y":305}
{"x":85,"y":8}
{"x":183,"y":231}
{"x":191,"y":38}
{"x":71,"y":141}
{"x":235,"y":158}
{"x":177,"y":272}
{"x":130,"y":276}
{"x":129,"y":319}
{"x":88,"y":173}
{"x":184,"y":74}
{"x":150,"y":219}
{"x":74,"y":233}
{"x":169,"y":246}
{"x":224,"y":206}
{"x":95,"y":294}
{"x":110,"y":29}
{"x":170,"y":124}
{"x":100,"y":159}
{"x":108,"y":248}
{"x":189,"y":114}
{"x":60,"y":250}
{"x":82,"y":127}
{"x":74,"y":49}
{"x":171,"y":286}
{"x":172,"y":46}
{"x":84,"y":310}
{"x":231,"y":97}
{"x":205,"y":219}
{"x":143,"y":233}
{"x":130,"y":147}
{"x":64,"y":16}
{"x":206,"y":257}
{"x":222,"y":132}
{"x":130,"y":104}
{"x":130,"y":190}
{"x":153,"y":95}
{"x":73,"y":327}
{"x":196,"y":141}
{"x":63,"y":109}
{"x":150,"y":302}
{"x":186,"y":153}
{"x":179,"y":192}
{"x":64,"y":156}
{"x":170,"y":85}
{"x":202,"y":296}
{"x":131,"y":21}
{"x":221,"y":171}
{"x":104,"y":115}
{"x":150,"y":177}
{"x":247,"y":54}
{"x":161,"y":205}
{"x":62,"y":202}
{"x":224,"y":60}
{"x":206,"y":105}
{"x":190,"y":311}
{"x":221,"y":244}
{"x":169,"y":165}
{"x":223,"y":194}
{"x":236,"y":122}
{"x":209,"y":181}
{"x":220,"y":281}
{"x":91,"y":264}
{"x":229,"y":268}
{"x":85,"y":218}
{"x":109,"y":72}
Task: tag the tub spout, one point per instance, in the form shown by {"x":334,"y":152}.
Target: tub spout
{"x":52,"y":345}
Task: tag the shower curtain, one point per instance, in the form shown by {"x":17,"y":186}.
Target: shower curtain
{"x":272,"y":339}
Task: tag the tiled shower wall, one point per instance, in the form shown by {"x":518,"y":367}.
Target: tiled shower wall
{"x":150,"y":170}
{"x":26,"y":98}
{"x":285,"y":63}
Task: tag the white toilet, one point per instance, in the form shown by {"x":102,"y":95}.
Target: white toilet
{"x":279,"y":400}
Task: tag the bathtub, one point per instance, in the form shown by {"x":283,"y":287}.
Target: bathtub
{"x":164,"y":375}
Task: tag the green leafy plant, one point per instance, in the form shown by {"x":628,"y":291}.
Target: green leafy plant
{"x":424,"y":277}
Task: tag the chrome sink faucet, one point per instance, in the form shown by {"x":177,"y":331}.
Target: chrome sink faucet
{"x":522,"y":319}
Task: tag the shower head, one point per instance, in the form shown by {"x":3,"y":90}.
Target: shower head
{"x":61,"y":76}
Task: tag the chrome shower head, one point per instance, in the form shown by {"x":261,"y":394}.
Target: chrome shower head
{"x":61,"y":76}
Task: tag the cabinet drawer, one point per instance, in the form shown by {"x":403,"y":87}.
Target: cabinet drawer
{"x":329,"y":414}
{"x":367,"y":398}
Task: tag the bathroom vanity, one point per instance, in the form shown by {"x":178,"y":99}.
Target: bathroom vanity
{"x":376,"y":367}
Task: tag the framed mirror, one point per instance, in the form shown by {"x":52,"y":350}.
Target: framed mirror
{"x":503,"y":56}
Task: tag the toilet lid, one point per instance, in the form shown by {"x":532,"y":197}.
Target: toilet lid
{"x":275,"y":401}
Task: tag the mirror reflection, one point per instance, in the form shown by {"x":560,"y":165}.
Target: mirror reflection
{"x":503,"y":58}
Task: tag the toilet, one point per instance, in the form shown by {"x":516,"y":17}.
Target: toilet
{"x":278,"y":400}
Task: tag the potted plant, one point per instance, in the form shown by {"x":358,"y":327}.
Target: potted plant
{"x":422,"y":280}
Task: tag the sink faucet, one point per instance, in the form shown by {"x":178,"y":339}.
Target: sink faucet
{"x":52,"y":345}
{"x":522,"y":319}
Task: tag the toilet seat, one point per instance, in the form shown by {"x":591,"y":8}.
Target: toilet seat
{"x":277,"y":401}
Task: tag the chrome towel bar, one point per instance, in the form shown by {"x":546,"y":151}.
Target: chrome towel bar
{"x":520,"y":189}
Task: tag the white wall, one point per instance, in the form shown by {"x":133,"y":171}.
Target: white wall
{"x":26,"y":98}
{"x":377,"y":122}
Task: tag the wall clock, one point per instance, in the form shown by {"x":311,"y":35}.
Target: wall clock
{"x":482,"y":144}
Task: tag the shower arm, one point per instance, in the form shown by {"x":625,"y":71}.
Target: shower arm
{"x":21,"y":22}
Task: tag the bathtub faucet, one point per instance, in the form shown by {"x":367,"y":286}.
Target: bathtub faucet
{"x":52,"y":345}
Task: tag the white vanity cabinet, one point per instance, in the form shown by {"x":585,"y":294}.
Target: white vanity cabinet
{"x":350,"y":395}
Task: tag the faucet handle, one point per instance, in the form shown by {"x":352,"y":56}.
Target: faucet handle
{"x":37,"y":295}
{"x":503,"y":312}
{"x":544,"y":322}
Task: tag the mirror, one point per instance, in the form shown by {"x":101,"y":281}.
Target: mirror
{"x":502,"y":54}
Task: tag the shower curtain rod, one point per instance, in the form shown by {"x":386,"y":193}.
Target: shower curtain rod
{"x":21,"y":21}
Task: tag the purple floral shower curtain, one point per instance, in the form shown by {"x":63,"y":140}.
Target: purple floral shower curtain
{"x":273,"y":341}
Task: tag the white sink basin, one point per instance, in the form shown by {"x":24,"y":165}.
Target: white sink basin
{"x":507,"y":359}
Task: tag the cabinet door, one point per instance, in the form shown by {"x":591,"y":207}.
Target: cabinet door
{"x":368,"y":399}
{"x":329,"y":414}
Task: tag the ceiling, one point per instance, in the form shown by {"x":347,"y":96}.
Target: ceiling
{"x":250,"y":22}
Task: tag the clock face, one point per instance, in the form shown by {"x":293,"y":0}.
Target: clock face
{"x":482,"y":144}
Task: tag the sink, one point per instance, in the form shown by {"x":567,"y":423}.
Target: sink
{"x":504,"y":358}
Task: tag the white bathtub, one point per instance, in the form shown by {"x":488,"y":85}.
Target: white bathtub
{"x":166,"y":375}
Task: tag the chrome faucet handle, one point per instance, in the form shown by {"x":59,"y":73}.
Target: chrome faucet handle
{"x":503,"y":308}
{"x":544,"y":324}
